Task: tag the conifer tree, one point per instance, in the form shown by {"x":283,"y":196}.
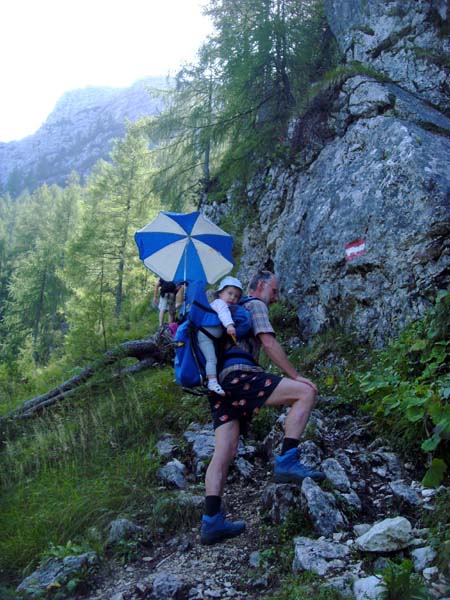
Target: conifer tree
{"x":230,"y":111}
{"x":103,"y":256}
{"x":183,"y":134}
{"x":37,"y":290}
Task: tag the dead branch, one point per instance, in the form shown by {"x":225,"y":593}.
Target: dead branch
{"x":155,"y":350}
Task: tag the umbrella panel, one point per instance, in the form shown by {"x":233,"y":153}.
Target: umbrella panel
{"x":179,"y":247}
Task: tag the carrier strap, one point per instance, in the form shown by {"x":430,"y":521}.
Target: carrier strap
{"x":203,"y":307}
{"x":235,"y":352}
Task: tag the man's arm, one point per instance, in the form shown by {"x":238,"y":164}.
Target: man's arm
{"x":277,"y":355}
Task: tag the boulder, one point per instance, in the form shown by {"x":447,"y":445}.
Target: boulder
{"x":388,"y":535}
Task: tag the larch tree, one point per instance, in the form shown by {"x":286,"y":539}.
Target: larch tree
{"x":229,"y":113}
{"x":103,"y":255}
{"x":36,"y":290}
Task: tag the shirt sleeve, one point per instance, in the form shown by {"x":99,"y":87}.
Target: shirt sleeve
{"x":223,"y":312}
{"x":259,"y":313}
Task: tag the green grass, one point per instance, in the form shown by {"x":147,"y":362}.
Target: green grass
{"x":92,"y":458}
{"x":87,"y":463}
{"x":305,"y":586}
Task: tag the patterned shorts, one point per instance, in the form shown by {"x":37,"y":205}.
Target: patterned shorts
{"x":246,"y":392}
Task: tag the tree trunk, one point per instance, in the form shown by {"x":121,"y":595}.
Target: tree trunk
{"x":155,"y":350}
{"x":37,"y":318}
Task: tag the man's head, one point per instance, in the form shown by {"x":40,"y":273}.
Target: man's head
{"x":264,"y":286}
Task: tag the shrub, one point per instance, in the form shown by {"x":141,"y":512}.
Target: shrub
{"x":408,"y":386}
{"x":401,"y":583}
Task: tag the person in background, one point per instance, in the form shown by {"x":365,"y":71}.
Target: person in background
{"x":180,"y":300}
{"x":167,"y":292}
{"x":247,"y":389}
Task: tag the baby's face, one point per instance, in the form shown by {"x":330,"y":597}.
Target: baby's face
{"x":230,"y":294}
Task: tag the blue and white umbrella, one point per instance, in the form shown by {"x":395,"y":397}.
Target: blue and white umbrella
{"x":185,"y":247}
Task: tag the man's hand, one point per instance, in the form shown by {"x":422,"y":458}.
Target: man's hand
{"x":307,"y":382}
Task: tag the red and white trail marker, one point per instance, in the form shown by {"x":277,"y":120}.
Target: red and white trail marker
{"x":354,"y":249}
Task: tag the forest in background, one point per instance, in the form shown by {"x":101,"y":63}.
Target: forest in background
{"x":72,"y":287}
{"x":68,"y":262}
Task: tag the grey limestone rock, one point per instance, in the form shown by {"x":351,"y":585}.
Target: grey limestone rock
{"x":388,"y":535}
{"x":404,"y":40}
{"x":321,"y":508}
{"x":423,"y":557}
{"x":336,"y":474}
{"x":55,"y":572}
{"x":405,"y":493}
{"x":380,"y":179}
{"x":167,"y":586}
{"x":121,"y":529}
{"x":278,"y":500}
{"x":319,"y":556}
{"x":368,"y":588}
{"x":173,"y":474}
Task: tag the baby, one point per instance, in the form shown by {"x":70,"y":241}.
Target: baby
{"x":228,"y":294}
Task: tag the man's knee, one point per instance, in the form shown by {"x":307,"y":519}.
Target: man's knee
{"x":307,"y":395}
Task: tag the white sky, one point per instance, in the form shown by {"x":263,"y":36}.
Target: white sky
{"x":48,"y":47}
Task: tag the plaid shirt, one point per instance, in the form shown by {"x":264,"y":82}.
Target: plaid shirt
{"x":260,"y":324}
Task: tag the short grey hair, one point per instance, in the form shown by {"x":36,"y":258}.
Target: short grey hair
{"x":260,"y":275}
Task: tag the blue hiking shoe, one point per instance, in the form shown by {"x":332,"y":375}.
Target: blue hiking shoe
{"x":217,"y":528}
{"x":289,"y":469}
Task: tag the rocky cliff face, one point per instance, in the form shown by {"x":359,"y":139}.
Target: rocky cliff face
{"x":357,"y":226}
{"x":78,"y":133}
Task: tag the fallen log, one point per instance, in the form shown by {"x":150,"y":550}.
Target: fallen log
{"x":155,"y":350}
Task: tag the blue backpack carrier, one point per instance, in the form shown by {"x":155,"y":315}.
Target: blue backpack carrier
{"x":189,"y":361}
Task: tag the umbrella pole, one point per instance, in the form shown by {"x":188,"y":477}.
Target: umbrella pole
{"x":184,"y":281}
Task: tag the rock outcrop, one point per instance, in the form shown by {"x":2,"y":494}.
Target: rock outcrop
{"x":79,"y":132}
{"x":356,"y":223}
{"x":406,"y":40}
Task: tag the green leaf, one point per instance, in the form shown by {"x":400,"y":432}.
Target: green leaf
{"x":72,"y":585}
{"x":415,"y":413}
{"x":431,"y":443}
{"x":441,"y":417}
{"x":419,"y":345}
{"x":435,"y":473}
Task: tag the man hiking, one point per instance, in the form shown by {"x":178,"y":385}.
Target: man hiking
{"x":247,"y":388}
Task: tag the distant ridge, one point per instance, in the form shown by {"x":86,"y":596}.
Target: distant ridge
{"x":78,"y":132}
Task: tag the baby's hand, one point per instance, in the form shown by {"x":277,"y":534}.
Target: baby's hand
{"x":231,"y":330}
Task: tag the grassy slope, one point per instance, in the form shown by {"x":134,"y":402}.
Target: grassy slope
{"x":66,"y":475}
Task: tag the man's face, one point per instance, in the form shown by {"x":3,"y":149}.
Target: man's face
{"x":269,"y":291}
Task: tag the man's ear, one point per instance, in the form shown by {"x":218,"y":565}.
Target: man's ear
{"x":260,"y":286}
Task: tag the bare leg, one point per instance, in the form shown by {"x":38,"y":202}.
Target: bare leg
{"x":216,"y":528}
{"x":300,"y":397}
{"x":225,"y":448}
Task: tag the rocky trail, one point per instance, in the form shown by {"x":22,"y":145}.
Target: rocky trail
{"x":366,"y":484}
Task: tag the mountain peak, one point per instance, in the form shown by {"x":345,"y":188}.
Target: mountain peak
{"x":78,"y":132}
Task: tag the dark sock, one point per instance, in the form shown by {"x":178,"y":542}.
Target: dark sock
{"x":288,"y":444}
{"x":212,"y":505}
